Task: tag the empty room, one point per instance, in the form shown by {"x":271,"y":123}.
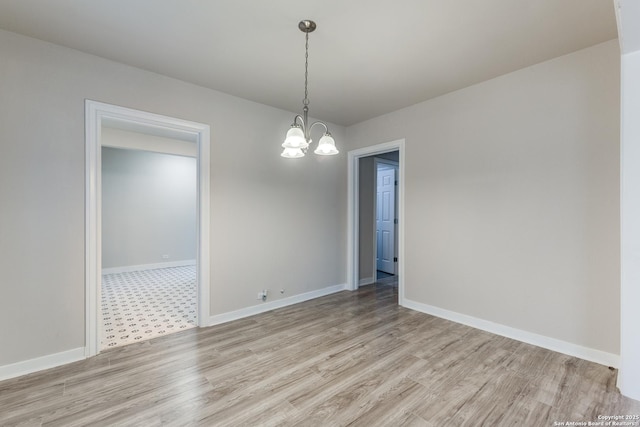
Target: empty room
{"x":369,"y":213}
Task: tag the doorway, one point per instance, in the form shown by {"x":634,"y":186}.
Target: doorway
{"x":97,"y":116}
{"x":148,"y":237}
{"x":359,"y":230}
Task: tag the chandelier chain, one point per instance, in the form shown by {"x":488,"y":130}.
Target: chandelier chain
{"x":305,"y":101}
{"x":298,"y":138}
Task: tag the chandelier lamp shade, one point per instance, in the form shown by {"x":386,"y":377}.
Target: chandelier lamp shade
{"x":298,"y":138}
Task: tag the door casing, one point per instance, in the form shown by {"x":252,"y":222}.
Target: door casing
{"x":353,"y":212}
{"x":95,"y":114}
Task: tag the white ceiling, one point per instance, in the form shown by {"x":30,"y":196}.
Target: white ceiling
{"x":367,"y":57}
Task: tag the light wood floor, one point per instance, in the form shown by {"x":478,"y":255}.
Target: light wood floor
{"x":352,"y":358}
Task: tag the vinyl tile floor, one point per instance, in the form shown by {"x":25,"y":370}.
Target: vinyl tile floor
{"x":141,"y":305}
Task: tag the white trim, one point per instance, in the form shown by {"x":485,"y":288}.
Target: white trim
{"x":93,"y":241}
{"x":575,"y":350}
{"x":268,"y":306}
{"x":143,"y":267}
{"x":353,"y":211}
{"x":629,"y":373}
{"x":95,"y":113}
{"x":40,"y":363}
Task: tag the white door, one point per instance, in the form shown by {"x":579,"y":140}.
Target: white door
{"x":385,"y":219}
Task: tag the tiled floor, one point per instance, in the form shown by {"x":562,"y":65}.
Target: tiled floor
{"x":141,"y":305}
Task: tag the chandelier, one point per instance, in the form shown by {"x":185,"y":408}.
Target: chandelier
{"x":298,"y":137}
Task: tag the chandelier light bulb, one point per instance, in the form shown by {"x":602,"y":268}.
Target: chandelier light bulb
{"x":295,"y":138}
{"x":326,"y":146}
{"x":292,"y":153}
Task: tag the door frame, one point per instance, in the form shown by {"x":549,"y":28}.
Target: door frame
{"x":395,"y":165}
{"x":95,"y":113}
{"x":353,"y":211}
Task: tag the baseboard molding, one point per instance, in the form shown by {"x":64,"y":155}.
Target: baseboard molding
{"x":141,"y":267}
{"x":366,"y":281}
{"x":575,"y":350}
{"x":272,"y":305}
{"x":53,"y":360}
{"x":40,"y":363}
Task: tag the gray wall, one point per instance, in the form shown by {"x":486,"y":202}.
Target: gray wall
{"x":148,"y":207}
{"x":512,"y":198}
{"x":367,"y":195}
{"x":512,"y":195}
{"x":266,"y":210}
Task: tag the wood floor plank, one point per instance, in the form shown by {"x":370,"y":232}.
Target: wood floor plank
{"x":392,"y":408}
{"x":351,"y":358}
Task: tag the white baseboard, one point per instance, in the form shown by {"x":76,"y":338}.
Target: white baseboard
{"x":51,"y":361}
{"x":575,"y":350}
{"x":366,"y":281}
{"x":40,"y":363}
{"x":272,"y":305}
{"x":593,"y":355}
{"x":141,"y":267}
